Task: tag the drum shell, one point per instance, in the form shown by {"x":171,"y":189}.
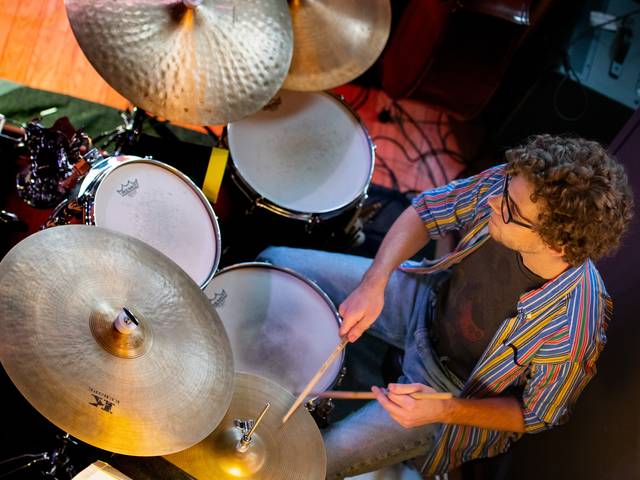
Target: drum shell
{"x":80,"y":207}
{"x":323,"y":227}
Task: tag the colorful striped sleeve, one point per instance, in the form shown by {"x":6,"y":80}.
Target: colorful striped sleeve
{"x":554,"y":388}
{"x":453,"y":206}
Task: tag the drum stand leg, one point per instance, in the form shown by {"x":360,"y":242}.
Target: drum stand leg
{"x":55,"y":464}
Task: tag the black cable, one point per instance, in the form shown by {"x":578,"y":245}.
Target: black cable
{"x":422,"y":155}
{"x":444,"y":140}
{"x":396,"y":143}
{"x":363,"y":101}
{"x":212,"y":134}
{"x":360,"y":99}
{"x":600,"y":25}
{"x":394,"y":179}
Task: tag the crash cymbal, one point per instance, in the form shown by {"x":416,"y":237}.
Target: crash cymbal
{"x":275,"y":451}
{"x":78,"y":357}
{"x":334,"y":41}
{"x":194,"y":61}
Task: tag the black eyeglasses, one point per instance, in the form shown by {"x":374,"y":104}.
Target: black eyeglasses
{"x":507,"y":215}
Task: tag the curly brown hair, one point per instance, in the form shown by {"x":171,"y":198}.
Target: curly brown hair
{"x":587,"y":200}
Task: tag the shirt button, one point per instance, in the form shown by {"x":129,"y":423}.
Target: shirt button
{"x":528,"y":316}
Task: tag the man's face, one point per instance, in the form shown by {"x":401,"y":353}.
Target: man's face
{"x":524,"y":211}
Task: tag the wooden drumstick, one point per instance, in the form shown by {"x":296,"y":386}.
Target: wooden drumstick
{"x":343,"y":395}
{"x":316,"y":378}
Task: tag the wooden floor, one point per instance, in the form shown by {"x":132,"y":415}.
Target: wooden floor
{"x":38,"y":49}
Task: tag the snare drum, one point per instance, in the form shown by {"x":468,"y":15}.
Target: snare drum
{"x":281,"y":326}
{"x":152,"y":202}
{"x":306,"y":157}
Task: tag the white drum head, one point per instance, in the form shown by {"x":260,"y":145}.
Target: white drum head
{"x":308,"y":155}
{"x":152,"y":203}
{"x":279,"y":325}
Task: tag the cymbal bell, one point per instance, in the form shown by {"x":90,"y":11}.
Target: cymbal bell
{"x":291,"y":451}
{"x":112,"y":341}
{"x":194,"y":61}
{"x":335,"y":41}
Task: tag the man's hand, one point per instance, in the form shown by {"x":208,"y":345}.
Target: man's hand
{"x":408,"y":411}
{"x":361,"y":308}
{"x":493,"y":413}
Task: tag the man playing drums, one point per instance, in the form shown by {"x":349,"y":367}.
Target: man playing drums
{"x":511,"y":322}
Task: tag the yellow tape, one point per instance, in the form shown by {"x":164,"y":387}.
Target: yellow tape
{"x":215,"y":171}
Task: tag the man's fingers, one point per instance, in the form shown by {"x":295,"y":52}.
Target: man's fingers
{"x":348,"y":324}
{"x":356,"y":332}
{"x":403,"y":401}
{"x":387,"y":404}
{"x":407,"y":388}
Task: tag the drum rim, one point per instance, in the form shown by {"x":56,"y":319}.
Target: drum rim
{"x":90,"y":192}
{"x":272,"y":206}
{"x":309,"y":282}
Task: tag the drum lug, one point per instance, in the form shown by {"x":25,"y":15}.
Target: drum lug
{"x":311,"y":223}
{"x":93,"y":157}
{"x":341,"y":375}
{"x":64,"y":213}
{"x":320,"y":409}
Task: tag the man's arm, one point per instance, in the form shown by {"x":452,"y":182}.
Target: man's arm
{"x":496,"y":413}
{"x":361,"y":308}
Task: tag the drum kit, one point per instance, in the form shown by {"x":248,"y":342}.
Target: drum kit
{"x":155,"y":352}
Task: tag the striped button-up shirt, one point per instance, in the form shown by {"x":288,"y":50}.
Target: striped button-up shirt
{"x":548,"y":351}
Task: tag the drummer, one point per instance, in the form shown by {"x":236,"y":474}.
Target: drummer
{"x":512,"y":321}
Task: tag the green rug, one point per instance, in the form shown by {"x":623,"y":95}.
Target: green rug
{"x":22,"y":104}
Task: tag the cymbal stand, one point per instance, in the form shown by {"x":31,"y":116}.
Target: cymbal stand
{"x":125,"y":135}
{"x":54,"y":464}
{"x":248,"y":427}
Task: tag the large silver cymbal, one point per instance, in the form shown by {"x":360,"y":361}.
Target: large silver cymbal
{"x":335,"y":41}
{"x":293,"y":451}
{"x":159,"y":389}
{"x":213,"y":63}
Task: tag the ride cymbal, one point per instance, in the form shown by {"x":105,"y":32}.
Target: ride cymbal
{"x":71,"y":298}
{"x":335,"y":41}
{"x":275,"y":451}
{"x":194,"y":61}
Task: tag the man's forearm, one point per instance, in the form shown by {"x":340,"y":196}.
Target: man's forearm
{"x":497,"y":413}
{"x":406,"y":236}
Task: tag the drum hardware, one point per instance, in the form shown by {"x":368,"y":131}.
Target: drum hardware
{"x":65,"y":213}
{"x":338,"y":351}
{"x":55,"y":463}
{"x":11,"y":222}
{"x":198,"y":63}
{"x":335,"y":41}
{"x":11,"y":129}
{"x":125,"y":135}
{"x":291,"y":451}
{"x":121,"y":392}
{"x":51,"y":162}
{"x":321,"y":407}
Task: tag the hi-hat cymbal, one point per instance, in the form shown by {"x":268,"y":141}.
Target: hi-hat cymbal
{"x":276,"y":452}
{"x":160,"y":388}
{"x":194,"y":61}
{"x":335,"y":41}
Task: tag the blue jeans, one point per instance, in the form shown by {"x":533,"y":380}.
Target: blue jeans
{"x":369,"y":439}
